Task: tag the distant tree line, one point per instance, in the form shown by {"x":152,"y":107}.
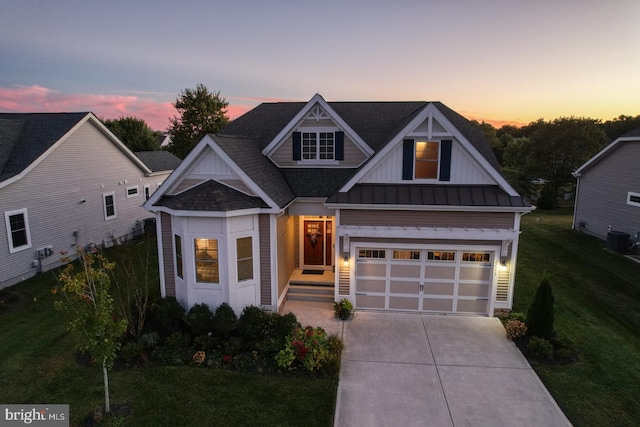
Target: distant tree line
{"x":537,"y":159}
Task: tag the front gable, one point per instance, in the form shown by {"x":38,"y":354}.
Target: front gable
{"x":317,"y":137}
{"x":429,"y":150}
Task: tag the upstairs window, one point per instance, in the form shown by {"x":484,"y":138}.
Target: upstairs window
{"x":427,"y":155}
{"x":17,"y":230}
{"x":109,"y":201}
{"x":318,"y":145}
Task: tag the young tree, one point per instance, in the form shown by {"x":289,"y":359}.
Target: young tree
{"x":134,"y":133}
{"x":540,"y":318}
{"x":200,"y":112}
{"x":90,"y":308}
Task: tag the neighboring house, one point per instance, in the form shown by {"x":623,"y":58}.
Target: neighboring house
{"x":401,"y":203}
{"x":608,"y":189}
{"x":65,"y":182}
{"x":164,"y":140}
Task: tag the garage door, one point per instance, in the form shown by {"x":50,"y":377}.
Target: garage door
{"x":424,"y":279}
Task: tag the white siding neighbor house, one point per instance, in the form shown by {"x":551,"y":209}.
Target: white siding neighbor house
{"x":396,"y":206}
{"x":608,"y":192}
{"x":65,"y":182}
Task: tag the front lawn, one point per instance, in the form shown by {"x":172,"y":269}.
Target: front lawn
{"x":39,"y":364}
{"x":597,"y":303}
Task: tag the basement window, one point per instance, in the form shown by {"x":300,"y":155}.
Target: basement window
{"x":633,"y":199}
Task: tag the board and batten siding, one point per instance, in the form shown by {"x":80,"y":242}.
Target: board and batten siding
{"x":501,"y":220}
{"x":82,"y":168}
{"x":283,"y":156}
{"x":603,"y":190}
{"x":464,"y":169}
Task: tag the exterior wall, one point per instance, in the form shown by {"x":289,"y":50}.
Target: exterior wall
{"x":602,"y":193}
{"x":265,"y":259}
{"x":464,"y":169}
{"x":427,"y":218}
{"x":286,"y":250}
{"x":283,"y":156}
{"x":82,"y":167}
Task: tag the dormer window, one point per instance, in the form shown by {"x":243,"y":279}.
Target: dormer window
{"x":426,"y":160}
{"x":427,"y":155}
{"x":318,"y":145}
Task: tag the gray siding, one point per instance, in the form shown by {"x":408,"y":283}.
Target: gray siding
{"x":504,"y":220}
{"x":265,"y":259}
{"x":167,"y":255}
{"x":603,"y":189}
{"x":82,"y":167}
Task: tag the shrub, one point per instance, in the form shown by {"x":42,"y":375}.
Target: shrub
{"x":564,"y":348}
{"x":224,"y":319}
{"x":306,"y":347}
{"x":540,"y":348}
{"x":176,"y":350}
{"x":540,"y":314}
{"x":516,"y":315}
{"x":150,"y":340}
{"x":169,"y":314}
{"x":200,"y":320}
{"x":253,"y":324}
{"x":343,"y":309}
{"x":132,"y":353}
{"x":515,"y":329}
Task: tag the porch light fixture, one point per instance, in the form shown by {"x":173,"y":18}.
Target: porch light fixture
{"x":345,"y":260}
{"x":503,"y":264}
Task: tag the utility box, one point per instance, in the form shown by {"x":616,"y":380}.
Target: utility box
{"x":618,"y":241}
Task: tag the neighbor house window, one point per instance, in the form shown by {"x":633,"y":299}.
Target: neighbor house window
{"x":633,"y":199}
{"x":178,"y":244}
{"x":206,"y":256}
{"x":398,"y":254}
{"x":318,"y":146}
{"x":109,"y":200}
{"x":426,"y":160}
{"x":147,"y":192}
{"x":372,"y":253}
{"x":244,"y":252}
{"x":17,"y":230}
{"x":132,"y":191}
{"x":476,"y":256}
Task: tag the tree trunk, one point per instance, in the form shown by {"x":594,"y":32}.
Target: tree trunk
{"x":107,"y":405}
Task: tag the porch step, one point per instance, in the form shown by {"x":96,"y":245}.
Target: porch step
{"x":318,"y":293}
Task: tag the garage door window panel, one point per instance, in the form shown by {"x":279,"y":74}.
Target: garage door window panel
{"x":441,"y":256}
{"x":372,"y":254}
{"x":406,"y":255}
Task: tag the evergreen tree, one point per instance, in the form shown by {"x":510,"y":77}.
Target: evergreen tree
{"x":539,"y":318}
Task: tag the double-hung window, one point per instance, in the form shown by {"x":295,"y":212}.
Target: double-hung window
{"x":427,"y":155}
{"x":318,"y":145}
{"x":206,"y":255}
{"x":109,"y":204}
{"x":17,"y":223}
{"x":244,"y":253}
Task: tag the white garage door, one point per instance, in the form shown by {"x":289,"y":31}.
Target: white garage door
{"x":426,"y":280}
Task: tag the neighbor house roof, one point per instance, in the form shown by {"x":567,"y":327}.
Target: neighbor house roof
{"x":158,"y":161}
{"x":24,"y":137}
{"x":631,"y":136}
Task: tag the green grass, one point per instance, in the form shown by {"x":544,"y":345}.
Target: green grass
{"x":597,"y":296}
{"x":38,"y":364}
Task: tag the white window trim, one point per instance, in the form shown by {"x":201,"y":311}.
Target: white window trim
{"x":415,"y":160}
{"x":133,"y":194}
{"x":631,"y":194}
{"x":104,"y":205}
{"x":7,"y":214}
{"x":317,"y":131}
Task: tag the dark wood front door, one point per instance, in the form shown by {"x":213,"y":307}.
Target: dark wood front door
{"x":314,"y":238}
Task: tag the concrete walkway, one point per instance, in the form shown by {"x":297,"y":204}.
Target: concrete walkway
{"x":432,"y":370}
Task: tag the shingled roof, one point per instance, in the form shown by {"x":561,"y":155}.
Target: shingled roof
{"x":26,"y":136}
{"x":158,"y":161}
{"x":211,"y":196}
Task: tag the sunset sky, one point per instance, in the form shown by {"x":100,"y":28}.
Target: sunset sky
{"x":501,"y":61}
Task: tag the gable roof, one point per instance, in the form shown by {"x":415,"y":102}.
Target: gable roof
{"x":631,"y":136}
{"x":27,"y":138}
{"x":158,"y":161}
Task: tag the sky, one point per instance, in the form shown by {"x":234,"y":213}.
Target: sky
{"x":499,"y":61}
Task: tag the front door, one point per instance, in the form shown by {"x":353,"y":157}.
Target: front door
{"x":314,"y":239}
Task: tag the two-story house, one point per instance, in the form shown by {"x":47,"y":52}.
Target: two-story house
{"x":401,"y":204}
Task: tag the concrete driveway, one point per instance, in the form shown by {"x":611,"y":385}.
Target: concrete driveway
{"x":427,"y":370}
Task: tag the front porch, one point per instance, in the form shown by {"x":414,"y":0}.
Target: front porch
{"x":312,"y":286}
